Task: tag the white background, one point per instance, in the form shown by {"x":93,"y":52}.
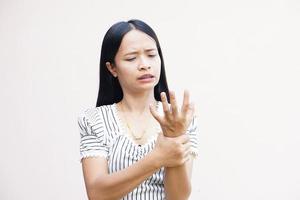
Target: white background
{"x":239,"y":59}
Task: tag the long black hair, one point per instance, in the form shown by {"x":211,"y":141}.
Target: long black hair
{"x":110,"y":90}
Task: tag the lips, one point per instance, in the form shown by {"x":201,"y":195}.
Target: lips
{"x":146,"y":76}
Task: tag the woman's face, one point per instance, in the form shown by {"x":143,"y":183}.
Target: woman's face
{"x":137,"y":56}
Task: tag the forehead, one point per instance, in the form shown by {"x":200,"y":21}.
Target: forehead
{"x":136,"y":40}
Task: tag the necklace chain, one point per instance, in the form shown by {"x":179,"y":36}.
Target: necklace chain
{"x":127,"y":124}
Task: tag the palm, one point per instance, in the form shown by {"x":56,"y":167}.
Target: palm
{"x":174,"y":122}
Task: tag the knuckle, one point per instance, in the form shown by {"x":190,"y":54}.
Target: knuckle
{"x":179,"y":152}
{"x":182,"y":161}
{"x":186,"y":104}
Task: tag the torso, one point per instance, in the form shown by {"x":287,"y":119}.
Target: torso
{"x":123,"y":151}
{"x":137,"y":125}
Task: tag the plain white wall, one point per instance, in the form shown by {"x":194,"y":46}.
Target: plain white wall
{"x":239,"y":59}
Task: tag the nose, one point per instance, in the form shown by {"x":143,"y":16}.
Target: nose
{"x":144,"y":64}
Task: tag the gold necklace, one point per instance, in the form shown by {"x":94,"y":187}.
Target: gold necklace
{"x":127,"y":124}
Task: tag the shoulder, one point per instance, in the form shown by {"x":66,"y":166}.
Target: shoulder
{"x":87,"y":114}
{"x":94,"y":115}
{"x":85,"y":120}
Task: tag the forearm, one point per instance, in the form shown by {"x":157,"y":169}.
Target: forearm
{"x":177,"y":182}
{"x":116,"y":185}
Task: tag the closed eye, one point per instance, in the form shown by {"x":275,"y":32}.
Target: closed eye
{"x":130,"y":59}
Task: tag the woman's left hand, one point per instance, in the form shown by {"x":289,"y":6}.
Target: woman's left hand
{"x":175,"y":122}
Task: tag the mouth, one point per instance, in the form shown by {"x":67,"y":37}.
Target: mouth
{"x":146,"y":76}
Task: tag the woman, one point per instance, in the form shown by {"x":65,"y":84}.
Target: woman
{"x":136,"y":143}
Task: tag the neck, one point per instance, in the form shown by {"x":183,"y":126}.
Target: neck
{"x":138,"y":104}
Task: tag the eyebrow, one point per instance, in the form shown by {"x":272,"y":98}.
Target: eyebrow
{"x":135,"y":52}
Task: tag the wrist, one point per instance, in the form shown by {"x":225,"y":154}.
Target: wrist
{"x":155,"y":158}
{"x":173,"y":135}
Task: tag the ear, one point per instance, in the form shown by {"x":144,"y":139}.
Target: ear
{"x":112,"y":69}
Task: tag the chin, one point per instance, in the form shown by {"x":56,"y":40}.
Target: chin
{"x":145,"y":87}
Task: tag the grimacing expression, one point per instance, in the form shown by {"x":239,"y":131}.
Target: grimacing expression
{"x":137,"y":55}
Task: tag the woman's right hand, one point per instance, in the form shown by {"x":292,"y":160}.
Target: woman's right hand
{"x":171,"y":152}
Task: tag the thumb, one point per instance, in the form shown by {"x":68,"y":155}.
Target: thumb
{"x":183,"y":139}
{"x":155,"y":113}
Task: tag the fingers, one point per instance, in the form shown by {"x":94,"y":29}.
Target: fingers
{"x":187,"y":151}
{"x":155,"y":113}
{"x":187,"y":157}
{"x":174,"y":107}
{"x":191,"y":110}
{"x":186,"y":101}
{"x":188,"y":108}
{"x":173,"y":104}
{"x":187,"y":147}
{"x":165,"y":104}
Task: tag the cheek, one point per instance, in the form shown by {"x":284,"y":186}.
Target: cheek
{"x":124,"y":68}
{"x":153,"y":61}
{"x":157,"y":65}
{"x":157,"y":70}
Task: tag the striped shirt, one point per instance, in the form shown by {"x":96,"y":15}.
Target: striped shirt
{"x":102,"y":134}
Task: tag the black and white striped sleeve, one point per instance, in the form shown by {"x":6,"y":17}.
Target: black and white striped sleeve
{"x":193,"y":133}
{"x":92,"y":142}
